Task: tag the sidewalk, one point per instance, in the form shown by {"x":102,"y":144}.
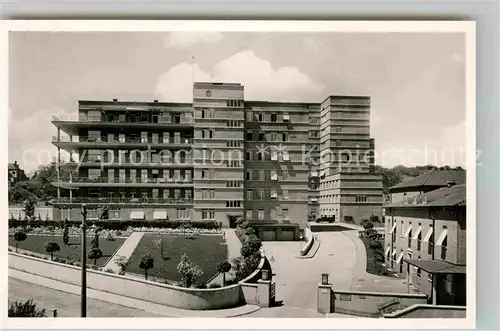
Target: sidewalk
{"x":125,"y":250}
{"x":130,"y":302}
{"x":233,"y":244}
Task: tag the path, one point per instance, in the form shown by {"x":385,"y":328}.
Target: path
{"x":157,"y":309}
{"x":126,"y":250}
{"x":363,"y":281}
{"x":297,"y":279}
{"x":233,"y":244}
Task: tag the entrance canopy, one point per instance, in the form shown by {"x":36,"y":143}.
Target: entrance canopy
{"x":437,"y":266}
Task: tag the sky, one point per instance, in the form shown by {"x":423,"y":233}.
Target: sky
{"x":416,"y":81}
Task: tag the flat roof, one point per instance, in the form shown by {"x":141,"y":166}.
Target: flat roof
{"x":437,"y":266}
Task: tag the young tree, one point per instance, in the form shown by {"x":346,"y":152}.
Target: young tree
{"x":19,"y":236}
{"x":223,"y":267}
{"x":188,"y":271}
{"x":29,"y":209}
{"x":51,"y":247}
{"x":95,"y":254}
{"x":104,"y":214}
{"x":95,"y":240}
{"x":145,"y":263}
{"x":26,"y":309}
{"x":159,"y":244}
{"x":65,"y":236}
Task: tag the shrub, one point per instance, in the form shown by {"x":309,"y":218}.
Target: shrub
{"x":26,"y":309}
{"x":111,"y":271}
{"x":246,"y":250}
{"x":122,"y":262}
{"x":253,"y":242}
{"x":18,"y":237}
{"x":29,"y":209}
{"x":52,"y":247}
{"x":374,"y":219}
{"x":66,"y":233}
{"x":95,"y":240}
{"x":188,"y":271}
{"x":118,"y":233}
{"x":110,"y":237}
{"x":223,"y":267}
{"x":145,"y":263}
{"x":94,"y":254}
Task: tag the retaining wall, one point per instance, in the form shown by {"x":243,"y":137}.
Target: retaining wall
{"x":372,"y":303}
{"x":178,"y":297}
{"x":429,"y":311}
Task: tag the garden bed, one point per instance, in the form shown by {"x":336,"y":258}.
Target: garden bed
{"x":72,"y":252}
{"x":204,"y":250}
{"x":373,"y":265}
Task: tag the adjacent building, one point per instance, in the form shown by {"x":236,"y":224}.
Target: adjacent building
{"x":16,"y":174}
{"x":219,"y":158}
{"x":425,"y":242}
{"x":426,"y":182}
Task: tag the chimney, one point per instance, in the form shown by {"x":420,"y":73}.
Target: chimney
{"x":155,"y":101}
{"x":450,"y":183}
{"x":115,"y":100}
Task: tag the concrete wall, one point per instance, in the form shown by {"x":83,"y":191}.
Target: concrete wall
{"x":429,"y":311}
{"x":178,"y":297}
{"x":367,"y":303}
{"x":250,"y":293}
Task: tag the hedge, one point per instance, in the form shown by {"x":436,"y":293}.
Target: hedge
{"x":120,"y":225}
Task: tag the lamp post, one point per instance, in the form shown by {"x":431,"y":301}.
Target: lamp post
{"x":84,"y":262}
{"x":301,"y":237}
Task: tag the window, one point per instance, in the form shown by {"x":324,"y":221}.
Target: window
{"x":448,"y":283}
{"x":211,"y":134}
{"x":273,"y":136}
{"x":260,"y":156}
{"x":248,"y":176}
{"x":249,"y":195}
{"x":249,"y":136}
{"x":262,"y":137}
{"x":249,"y":214}
{"x":274,"y":118}
{"x":233,"y":164}
{"x":248,"y":156}
{"x":94,"y":174}
{"x":182,"y":214}
{"x":285,"y":213}
{"x":203,"y":113}
{"x":233,"y":204}
{"x":361,"y":198}
{"x":262,"y":175}
{"x":260,"y":117}
{"x":261,"y":214}
{"x":203,"y":174}
{"x":66,"y":214}
{"x":249,"y":116}
{"x":285,"y":136}
{"x":260,"y":194}
{"x":208,"y":214}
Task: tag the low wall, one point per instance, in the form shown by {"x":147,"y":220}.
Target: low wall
{"x":372,"y":303}
{"x":250,"y":293}
{"x":329,"y":227}
{"x":178,"y":297}
{"x":43,"y":212}
{"x":309,"y":236}
{"x":429,"y":311}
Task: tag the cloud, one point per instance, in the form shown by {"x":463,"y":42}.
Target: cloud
{"x":30,"y":138}
{"x":261,"y":80}
{"x":184,"y":40}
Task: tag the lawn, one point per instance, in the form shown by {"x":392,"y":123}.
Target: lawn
{"x":204,"y":250}
{"x":36,"y":243}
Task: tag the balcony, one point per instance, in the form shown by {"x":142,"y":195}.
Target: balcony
{"x":128,"y":200}
{"x":116,"y":163}
{"x":126,"y":182}
{"x":76,"y":142}
{"x":125,"y":120}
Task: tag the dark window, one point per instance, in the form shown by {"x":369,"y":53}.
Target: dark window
{"x":260,"y":117}
{"x":249,"y":136}
{"x":203,"y":113}
{"x":274,"y":117}
{"x":261,"y":137}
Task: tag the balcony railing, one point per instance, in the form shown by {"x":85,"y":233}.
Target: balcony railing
{"x":117,"y":162}
{"x":104,"y":180}
{"x":127,"y":120}
{"x":180,"y":201}
{"x":125,"y":140}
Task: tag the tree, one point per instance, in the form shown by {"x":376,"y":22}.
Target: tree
{"x":104,"y":214}
{"x":188,"y":271}
{"x":26,"y":309}
{"x":19,"y":236}
{"x":95,"y":254}
{"x":145,"y":263}
{"x":51,"y":247}
{"x":65,"y":236}
{"x":122,"y":263}
{"x":29,"y":209}
{"x":253,"y":242}
{"x":95,"y":240}
{"x":223,"y":267}
{"x":159,"y":244}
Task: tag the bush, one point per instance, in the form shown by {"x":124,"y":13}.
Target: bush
{"x":374,"y":219}
{"x":26,"y":309}
{"x":253,"y":242}
{"x":111,"y":271}
{"x":51,"y":247}
{"x":19,"y":236}
{"x":145,"y":263}
{"x":188,"y":271}
{"x":110,"y":237}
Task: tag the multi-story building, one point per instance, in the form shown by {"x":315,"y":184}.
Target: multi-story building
{"x":16,"y":174}
{"x":220,"y":158}
{"x":425,"y":241}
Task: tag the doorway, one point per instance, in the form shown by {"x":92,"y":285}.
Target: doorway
{"x":232,"y":221}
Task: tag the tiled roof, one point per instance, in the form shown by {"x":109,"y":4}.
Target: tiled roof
{"x":455,"y":195}
{"x":433,"y":177}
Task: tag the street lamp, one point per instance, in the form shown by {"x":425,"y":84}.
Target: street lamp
{"x":301,"y":238}
{"x":84,"y":262}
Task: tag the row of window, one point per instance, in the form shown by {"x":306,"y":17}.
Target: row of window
{"x":116,"y":214}
{"x":234,"y":124}
{"x":167,"y":193}
{"x":234,"y":183}
{"x":270,"y":136}
{"x":234,"y":143}
{"x":266,"y":194}
{"x":138,"y":175}
{"x":267,"y":175}
{"x":274,"y":213}
{"x":361,"y":198}
{"x":264,"y":117}
{"x":145,"y":137}
{"x":233,"y":204}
